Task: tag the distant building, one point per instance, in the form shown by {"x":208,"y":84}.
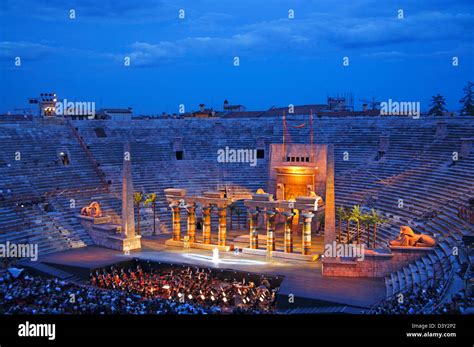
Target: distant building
{"x":115,"y":114}
{"x":232,"y":108}
{"x":337,"y":108}
{"x":204,"y":112}
{"x":46,"y":103}
{"x":278,"y":111}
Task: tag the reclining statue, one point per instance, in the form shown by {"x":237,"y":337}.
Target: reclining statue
{"x":93,"y":210}
{"x":312,"y":194}
{"x":408,"y":238}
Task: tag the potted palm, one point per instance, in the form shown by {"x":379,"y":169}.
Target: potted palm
{"x":355,"y":216}
{"x":376,"y":221}
{"x":137,"y":201}
{"x":151,"y":201}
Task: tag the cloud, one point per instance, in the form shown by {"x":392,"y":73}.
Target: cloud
{"x":104,"y":9}
{"x":319,"y":28}
{"x":316,"y":33}
{"x":31,"y":51}
{"x":24,"y":50}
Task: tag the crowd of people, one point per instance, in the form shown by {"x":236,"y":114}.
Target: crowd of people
{"x":134,"y":291}
{"x":38,"y":295}
{"x":194,"y":286}
{"x":460,"y":302}
{"x":410,"y":302}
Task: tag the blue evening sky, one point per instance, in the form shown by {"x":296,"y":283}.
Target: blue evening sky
{"x":190,"y":61}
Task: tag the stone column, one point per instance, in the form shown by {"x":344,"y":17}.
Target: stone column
{"x":191,"y":222}
{"x":176,"y":222}
{"x":128,"y":214}
{"x":222,"y":231}
{"x":288,"y":234}
{"x":270,"y":230}
{"x":330,"y":207}
{"x":253,"y":221}
{"x":307,"y":233}
{"x":206,"y":225}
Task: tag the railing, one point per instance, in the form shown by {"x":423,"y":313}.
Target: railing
{"x":89,"y":155}
{"x":435,"y":306}
{"x":350,"y":235}
{"x":430,"y":307}
{"x":421,"y":284}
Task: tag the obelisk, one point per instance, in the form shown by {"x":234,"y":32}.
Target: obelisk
{"x":330,"y":208}
{"x":128,"y":215}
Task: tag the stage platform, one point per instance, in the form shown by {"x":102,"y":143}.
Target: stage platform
{"x":302,"y":280}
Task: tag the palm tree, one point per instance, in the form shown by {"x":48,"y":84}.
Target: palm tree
{"x":338,"y":219}
{"x":137,"y":201}
{"x":151,"y":201}
{"x":367,"y":220}
{"x":355,"y":215}
{"x":376,"y":220}
{"x":342,"y":215}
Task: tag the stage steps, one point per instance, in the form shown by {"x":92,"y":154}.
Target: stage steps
{"x":51,"y":271}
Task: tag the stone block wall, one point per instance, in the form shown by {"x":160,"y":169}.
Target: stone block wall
{"x":373,"y":265}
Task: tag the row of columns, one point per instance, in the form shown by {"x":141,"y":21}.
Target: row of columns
{"x":206,"y":224}
{"x":253,"y":222}
{"x":288,"y":235}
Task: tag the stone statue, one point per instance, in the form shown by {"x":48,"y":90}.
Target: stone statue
{"x":312,"y":194}
{"x":408,"y":238}
{"x":93,"y":210}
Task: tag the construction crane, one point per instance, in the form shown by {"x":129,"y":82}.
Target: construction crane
{"x":374,"y":104}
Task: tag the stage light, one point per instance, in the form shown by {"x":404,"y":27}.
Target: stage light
{"x":195,"y":256}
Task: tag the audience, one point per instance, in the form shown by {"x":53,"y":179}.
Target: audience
{"x":170,"y":291}
{"x":410,"y":302}
{"x":458,"y":303}
{"x":183,"y":290}
{"x":190,"y":285}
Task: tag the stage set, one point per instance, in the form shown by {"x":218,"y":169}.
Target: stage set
{"x":289,"y":223}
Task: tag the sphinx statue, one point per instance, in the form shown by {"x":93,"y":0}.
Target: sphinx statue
{"x":408,"y":238}
{"x":93,"y":210}
{"x":312,"y":194}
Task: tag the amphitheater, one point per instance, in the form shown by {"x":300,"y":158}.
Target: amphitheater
{"x":40,"y":197}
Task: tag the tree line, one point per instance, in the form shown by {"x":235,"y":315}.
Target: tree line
{"x":438,"y":103}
